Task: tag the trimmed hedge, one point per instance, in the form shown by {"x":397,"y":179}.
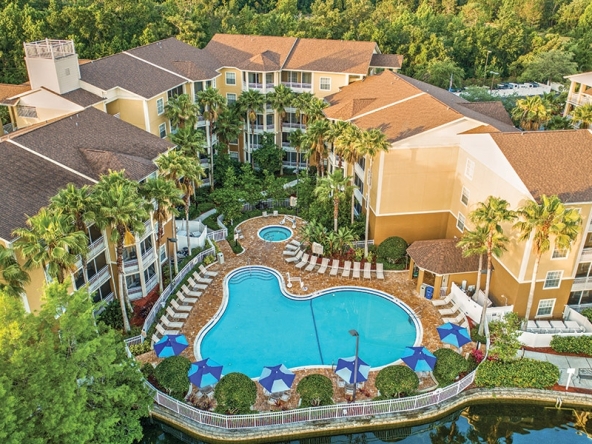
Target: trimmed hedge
{"x":588,"y":313}
{"x":572,"y":344}
{"x":315,"y":390}
{"x":392,"y":252}
{"x":523,"y":373}
{"x":449,"y":365}
{"x":395,"y":381}
{"x":171,"y":374}
{"x":235,"y":394}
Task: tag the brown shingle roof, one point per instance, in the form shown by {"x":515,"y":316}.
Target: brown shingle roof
{"x":394,"y":61}
{"x":551,"y":162}
{"x":493,"y":109}
{"x":124,"y":71}
{"x":27,"y":182}
{"x":88,"y":141}
{"x":441,"y":256}
{"x":82,"y":97}
{"x":331,"y":56}
{"x":8,"y":90}
{"x":179,"y":57}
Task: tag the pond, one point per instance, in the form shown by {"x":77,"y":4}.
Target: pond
{"x":490,"y":423}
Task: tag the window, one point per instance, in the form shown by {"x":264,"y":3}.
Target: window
{"x":230,"y":98}
{"x":464,"y":198}
{"x":559,"y":253}
{"x":231,"y":78}
{"x":162,"y":130}
{"x":460,"y":222}
{"x":580,"y":297}
{"x":175,"y":92}
{"x":103,"y":292}
{"x":149,"y":273}
{"x":306,"y":79}
{"x":325,"y":84}
{"x":67,"y":71}
{"x":362,"y":162}
{"x":269,"y":79}
{"x":359,"y":183}
{"x":129,"y":253}
{"x":160,"y":106}
{"x":470,"y":169}
{"x":545,"y":307}
{"x":133,"y":281}
{"x":146,"y":245}
{"x":269,"y":120}
{"x":553,"y":279}
{"x":233,"y":155}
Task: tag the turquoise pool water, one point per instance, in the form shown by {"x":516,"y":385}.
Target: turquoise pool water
{"x":260,"y":326}
{"x":275,"y":233}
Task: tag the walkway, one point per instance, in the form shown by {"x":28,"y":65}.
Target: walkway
{"x":565,"y":362}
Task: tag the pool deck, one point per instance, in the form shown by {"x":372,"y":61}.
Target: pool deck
{"x":259,"y":252}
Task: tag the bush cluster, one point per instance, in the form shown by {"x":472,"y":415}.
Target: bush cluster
{"x":448,"y":366}
{"x":111,"y":315}
{"x":395,"y":381}
{"x":392,"y":252}
{"x":140,"y":349}
{"x":315,"y":390}
{"x":235,"y":394}
{"x":572,"y":344}
{"x":171,"y":375}
{"x":523,"y":373}
{"x":588,"y":313}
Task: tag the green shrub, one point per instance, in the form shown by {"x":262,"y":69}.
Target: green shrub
{"x":111,"y":315}
{"x":572,"y":344}
{"x":448,"y":366}
{"x":211,"y":222}
{"x":140,"y":349}
{"x":395,"y":381}
{"x":315,"y":390}
{"x":588,"y":313}
{"x":235,"y":394}
{"x":171,"y":374}
{"x":204,"y":207}
{"x":475,"y":336}
{"x":147,"y":370}
{"x":523,"y":373}
{"x":392,"y":252}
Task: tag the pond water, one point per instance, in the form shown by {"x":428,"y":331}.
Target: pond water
{"x":491,"y":423}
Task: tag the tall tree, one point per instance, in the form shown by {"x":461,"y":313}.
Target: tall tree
{"x":334,"y":187}
{"x":474,"y":243}
{"x":12,"y":277}
{"x":532,"y":112}
{"x":315,"y":137}
{"x":548,"y":223}
{"x":165,"y":194}
{"x":51,"y":242}
{"x":123,"y":210}
{"x":279,"y":99}
{"x":296,"y":139}
{"x":181,"y":111}
{"x":370,"y":143}
{"x":190,"y":141}
{"x":583,"y":115}
{"x":213,"y":103}
{"x":346,"y":147}
{"x":251,"y":103}
{"x":228,"y":126}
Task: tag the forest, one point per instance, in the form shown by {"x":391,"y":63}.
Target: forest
{"x":532,"y":40}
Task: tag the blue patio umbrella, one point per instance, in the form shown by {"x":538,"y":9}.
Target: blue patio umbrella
{"x":204,"y":373}
{"x":454,"y":334}
{"x":276,"y":378}
{"x":345,"y":370}
{"x":420,"y":359}
{"x":170,"y":345}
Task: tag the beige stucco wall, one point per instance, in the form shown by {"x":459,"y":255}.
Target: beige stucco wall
{"x":130,"y":111}
{"x":410,"y":227}
{"x":234,"y":89}
{"x":337,"y":82}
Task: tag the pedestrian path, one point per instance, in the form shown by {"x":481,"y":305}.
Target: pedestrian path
{"x":565,"y":362}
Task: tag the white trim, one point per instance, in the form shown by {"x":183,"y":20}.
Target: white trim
{"x":387,"y":106}
{"x":321,"y":84}
{"x":160,"y":113}
{"x":158,"y":66}
{"x":226,"y":78}
{"x":558,"y":279}
{"x":537,"y":315}
{"x":146,"y":115}
{"x":463,"y":223}
{"x":462,"y":194}
{"x":51,"y":160}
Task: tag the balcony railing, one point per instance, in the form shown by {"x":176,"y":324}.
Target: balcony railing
{"x":255,"y":85}
{"x":586,"y":254}
{"x":293,"y":125}
{"x":151,"y":283}
{"x":297,"y":85}
{"x":269,"y":85}
{"x":134,"y":292}
{"x":148,"y":257}
{"x":131,"y":266}
{"x":96,"y":247}
{"x":98,"y":279}
{"x":584,"y":99}
{"x":270,"y":127}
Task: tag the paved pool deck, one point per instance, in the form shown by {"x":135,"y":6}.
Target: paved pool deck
{"x":564,"y":363}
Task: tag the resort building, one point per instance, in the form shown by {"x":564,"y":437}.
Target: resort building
{"x":78,"y":148}
{"x":580,"y":91}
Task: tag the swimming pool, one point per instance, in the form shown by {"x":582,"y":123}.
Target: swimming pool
{"x":260,"y":324}
{"x":275,"y":233}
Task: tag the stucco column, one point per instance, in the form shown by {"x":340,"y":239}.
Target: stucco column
{"x":437,"y":285}
{"x":419,"y":280}
{"x":411,"y":265}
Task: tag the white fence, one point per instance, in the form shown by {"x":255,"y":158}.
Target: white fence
{"x":473,"y":310}
{"x":218,"y":235}
{"x":361,"y":244}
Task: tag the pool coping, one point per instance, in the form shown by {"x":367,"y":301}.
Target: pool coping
{"x":275,"y":226}
{"x":226,"y":293}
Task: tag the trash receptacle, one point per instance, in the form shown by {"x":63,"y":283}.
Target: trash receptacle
{"x":221,"y":258}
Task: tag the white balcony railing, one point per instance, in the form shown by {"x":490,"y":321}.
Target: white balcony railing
{"x":151,"y":283}
{"x":296,"y":85}
{"x":586,"y":255}
{"x":131,"y":266}
{"x":148,"y":258}
{"x":293,"y":125}
{"x":99,"y":279}
{"x":96,"y":247}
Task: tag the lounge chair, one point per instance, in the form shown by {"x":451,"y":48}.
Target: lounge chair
{"x":179,"y":307}
{"x":291,"y":252}
{"x":173,"y":314}
{"x":189,"y":292}
{"x":186,"y":300}
{"x":356,"y":272}
{"x":323,"y":267}
{"x":573,"y":325}
{"x":170,"y":324}
{"x":155,"y":339}
{"x":264,"y":214}
{"x":295,"y":258}
{"x":449,"y":311}
{"x":532,"y":327}
{"x":559,"y":326}
{"x":545,"y":326}
{"x":163,"y":332}
{"x":334,"y":268}
{"x":379,"y":271}
{"x":346,"y":269}
{"x":367,"y":266}
{"x":440,"y":302}
{"x":464,"y":324}
{"x":207,"y":272}
{"x":200,"y":279}
{"x":275,"y":213}
{"x":303,"y":261}
{"x":295,"y":243}
{"x":196,"y":285}
{"x":312,"y":263}
{"x":292,"y":247}
{"x":457,"y":320}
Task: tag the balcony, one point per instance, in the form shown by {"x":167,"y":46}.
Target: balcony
{"x":96,"y":247}
{"x":586,"y":255}
{"x":257,"y":127}
{"x":99,"y":279}
{"x":135,"y":293}
{"x":270,"y":127}
{"x":582,"y":283}
{"x":131,"y":266}
{"x":148,"y":258}
{"x":151,"y":283}
{"x":255,"y":85}
{"x":269,"y":85}
{"x":288,"y":126}
{"x":295,"y":85}
{"x":577,"y":100}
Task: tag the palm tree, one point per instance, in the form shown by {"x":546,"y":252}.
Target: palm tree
{"x":189,"y":141}
{"x":228,"y":126}
{"x":315,"y":137}
{"x":583,"y":115}
{"x":166,"y":196}
{"x":474,"y":243}
{"x":12,"y":277}
{"x":77,"y":203}
{"x":120,"y":207}
{"x":370,"y":143}
{"x":301,"y":103}
{"x":489,"y":216}
{"x":213,"y":103}
{"x":181,"y":111}
{"x":50,"y":241}
{"x":345,"y":146}
{"x":251,"y":103}
{"x":296,"y":139}
{"x":548,"y":223}
{"x":531,"y":112}
{"x":334,"y":187}
{"x":280,"y":98}
{"x":315,"y":109}
{"x":337,"y":129}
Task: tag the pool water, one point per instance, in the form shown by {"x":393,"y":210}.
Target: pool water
{"x":261,"y":326}
{"x":275,"y":233}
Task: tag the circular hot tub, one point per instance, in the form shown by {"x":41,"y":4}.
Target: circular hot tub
{"x":275,"y":233}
